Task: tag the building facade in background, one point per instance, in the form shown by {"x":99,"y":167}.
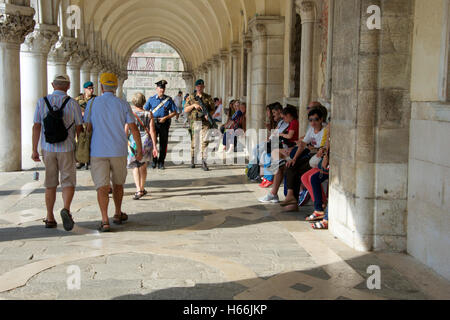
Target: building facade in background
{"x":151,"y":63}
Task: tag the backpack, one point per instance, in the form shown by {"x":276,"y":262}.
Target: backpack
{"x":253,"y":172}
{"x":55,"y":130}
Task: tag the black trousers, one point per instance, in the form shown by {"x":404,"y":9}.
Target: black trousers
{"x":162,"y":134}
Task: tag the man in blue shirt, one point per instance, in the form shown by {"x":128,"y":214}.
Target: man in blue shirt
{"x":163,"y":109}
{"x":107,"y":116}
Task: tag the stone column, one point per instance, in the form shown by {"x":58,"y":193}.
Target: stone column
{"x":223,"y":90}
{"x":210,"y":77}
{"x":216,"y":64}
{"x":259,"y":75}
{"x":95,"y":70}
{"x":73,"y":70}
{"x":85,"y":73}
{"x":267,"y":65}
{"x":33,"y":78}
{"x":187,"y":77}
{"x":58,"y":57}
{"x":235,"y":82}
{"x":307,"y":11}
{"x":249,"y":47}
{"x":15,"y":23}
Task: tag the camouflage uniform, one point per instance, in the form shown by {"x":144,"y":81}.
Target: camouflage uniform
{"x":83,"y":102}
{"x":196,"y":117}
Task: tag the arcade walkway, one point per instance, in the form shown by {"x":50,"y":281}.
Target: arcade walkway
{"x":199,"y":236}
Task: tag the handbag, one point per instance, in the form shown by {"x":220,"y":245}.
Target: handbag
{"x":83,"y":147}
{"x":314,"y":162}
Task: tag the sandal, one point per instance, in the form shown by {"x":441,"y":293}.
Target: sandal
{"x":50,"y":224}
{"x":120,"y":219}
{"x":316,"y":216}
{"x":323,"y":225}
{"x":288,"y":203}
{"x":104,"y":227}
{"x":138,"y":195}
{"x":67,"y":220}
{"x":145,"y":192}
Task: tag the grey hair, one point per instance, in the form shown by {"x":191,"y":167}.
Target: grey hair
{"x":61,"y":84}
{"x":109,"y":88}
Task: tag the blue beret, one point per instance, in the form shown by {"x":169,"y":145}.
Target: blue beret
{"x":199,"y":82}
{"x":88,"y":84}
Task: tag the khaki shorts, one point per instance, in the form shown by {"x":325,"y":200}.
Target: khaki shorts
{"x":60,"y":164}
{"x":104,"y":170}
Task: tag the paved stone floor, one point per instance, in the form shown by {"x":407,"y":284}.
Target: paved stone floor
{"x":197,"y":236}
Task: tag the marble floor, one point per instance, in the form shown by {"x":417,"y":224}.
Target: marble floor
{"x":198,"y":235}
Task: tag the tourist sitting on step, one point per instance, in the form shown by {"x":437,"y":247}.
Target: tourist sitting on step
{"x":313,"y":180}
{"x":261,"y":153}
{"x":315,"y":139}
{"x":234,"y":127}
{"x":298,"y":160}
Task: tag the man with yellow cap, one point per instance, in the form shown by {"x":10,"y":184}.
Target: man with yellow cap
{"x":107,"y":116}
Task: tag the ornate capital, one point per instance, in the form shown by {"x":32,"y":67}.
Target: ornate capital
{"x":78,"y":57}
{"x":16,"y":23}
{"x":41,"y":39}
{"x":187,"y":76}
{"x":306,"y":9}
{"x":224,"y":54}
{"x":216,"y":60}
{"x":63,"y":49}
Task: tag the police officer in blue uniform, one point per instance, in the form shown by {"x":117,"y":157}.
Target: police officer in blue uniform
{"x":163,"y":109}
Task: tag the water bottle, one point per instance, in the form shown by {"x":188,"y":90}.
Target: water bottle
{"x":36,"y":174}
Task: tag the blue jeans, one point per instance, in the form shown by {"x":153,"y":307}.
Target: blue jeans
{"x":316,"y":183}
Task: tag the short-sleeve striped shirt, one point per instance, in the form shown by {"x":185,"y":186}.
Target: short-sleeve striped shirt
{"x":72,"y":117}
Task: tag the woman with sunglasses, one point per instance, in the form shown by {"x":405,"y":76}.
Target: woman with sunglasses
{"x":315,"y":139}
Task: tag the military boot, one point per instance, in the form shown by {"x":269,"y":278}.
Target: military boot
{"x":205,"y":166}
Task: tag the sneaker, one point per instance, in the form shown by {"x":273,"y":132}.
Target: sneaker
{"x":303,"y":198}
{"x":268,"y":184}
{"x":264,"y":181}
{"x":270,"y":198}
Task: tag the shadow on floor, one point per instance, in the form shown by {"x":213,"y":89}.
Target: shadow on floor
{"x":393,"y":286}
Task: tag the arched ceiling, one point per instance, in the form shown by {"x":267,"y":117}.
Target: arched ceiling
{"x":197,"y":29}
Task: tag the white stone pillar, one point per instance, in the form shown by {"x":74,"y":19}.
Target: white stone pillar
{"x":306,"y":9}
{"x":85,"y":73}
{"x":33,"y":78}
{"x":249,"y":46}
{"x":95,"y":79}
{"x":210,"y":77}
{"x":188,"y":79}
{"x":74,"y":72}
{"x":58,"y":57}
{"x":235,"y":81}
{"x":259,"y":71}
{"x":15,"y":23}
{"x":223,"y":74}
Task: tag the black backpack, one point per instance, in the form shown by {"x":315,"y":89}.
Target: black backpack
{"x":55,"y":130}
{"x":253,"y":172}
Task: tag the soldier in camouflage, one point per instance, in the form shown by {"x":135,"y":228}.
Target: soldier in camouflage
{"x":82,"y":100}
{"x":197,"y":117}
